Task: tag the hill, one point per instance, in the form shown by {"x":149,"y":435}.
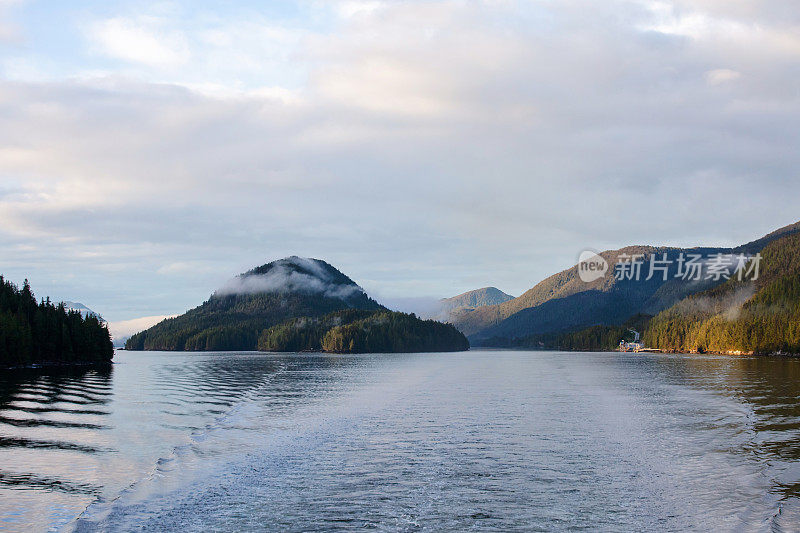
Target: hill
{"x":563,"y":302}
{"x":739,"y":316}
{"x":477,"y":298}
{"x":359,"y":331}
{"x":468,"y":301}
{"x":236,"y":314}
{"x":45,"y":333}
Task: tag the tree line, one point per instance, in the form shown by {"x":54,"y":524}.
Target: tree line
{"x":394,"y":332}
{"x":45,"y":332}
{"x":362,"y":331}
{"x":233,"y":322}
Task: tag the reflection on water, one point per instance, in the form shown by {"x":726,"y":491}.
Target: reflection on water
{"x":482,"y":440}
{"x":71,"y":437}
{"x":45,"y":415}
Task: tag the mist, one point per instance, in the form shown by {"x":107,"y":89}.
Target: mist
{"x":282,"y":278}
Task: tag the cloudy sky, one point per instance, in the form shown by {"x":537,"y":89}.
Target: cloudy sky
{"x":151,"y":150}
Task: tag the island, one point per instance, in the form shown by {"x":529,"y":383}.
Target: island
{"x":296,"y":304}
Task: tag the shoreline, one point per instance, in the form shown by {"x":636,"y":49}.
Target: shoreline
{"x":732,"y":353}
{"x":53,"y":364}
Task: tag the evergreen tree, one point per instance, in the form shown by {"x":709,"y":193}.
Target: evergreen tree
{"x":32,"y":332}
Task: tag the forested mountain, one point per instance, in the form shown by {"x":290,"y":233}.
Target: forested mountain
{"x":234,"y":316}
{"x":761,"y":316}
{"x":564,"y":303}
{"x":32,"y":332}
{"x":359,"y":331}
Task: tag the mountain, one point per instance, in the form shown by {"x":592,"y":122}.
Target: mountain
{"x":296,"y":304}
{"x":236,"y":314}
{"x":82,"y":309}
{"x":739,"y":316}
{"x":476,"y":298}
{"x":445,"y":308}
{"x":564,"y":302}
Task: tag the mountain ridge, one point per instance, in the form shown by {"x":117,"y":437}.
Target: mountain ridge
{"x":563,"y":302}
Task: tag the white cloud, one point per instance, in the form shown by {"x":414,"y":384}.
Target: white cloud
{"x":126,"y":328}
{"x":348,"y":9}
{"x":140,"y":41}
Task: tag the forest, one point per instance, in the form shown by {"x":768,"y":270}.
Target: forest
{"x":305,"y":334}
{"x":233,"y":322}
{"x":47,"y":333}
{"x":360,"y":331}
{"x":761,"y":316}
{"x":394,"y":332}
{"x":593,"y":338}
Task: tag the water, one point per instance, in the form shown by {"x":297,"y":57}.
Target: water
{"x":473,"y":441}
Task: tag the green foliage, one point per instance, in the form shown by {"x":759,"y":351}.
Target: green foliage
{"x":47,"y":333}
{"x":361,"y":331}
{"x":306,"y":333}
{"x":761,"y":316}
{"x":234,"y":322}
{"x":393,"y":332}
{"x":593,"y":338}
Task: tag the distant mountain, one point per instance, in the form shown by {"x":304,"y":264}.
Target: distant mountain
{"x":82,"y":309}
{"x":236,"y":314}
{"x":469,"y":301}
{"x":564,"y":302}
{"x":477,"y":298}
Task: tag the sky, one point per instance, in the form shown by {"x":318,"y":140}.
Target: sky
{"x":149,"y":151}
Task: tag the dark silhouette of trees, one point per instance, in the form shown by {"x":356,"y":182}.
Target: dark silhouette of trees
{"x":234,"y":322}
{"x":32,"y":332}
{"x":391,"y":332}
{"x":360,"y":331}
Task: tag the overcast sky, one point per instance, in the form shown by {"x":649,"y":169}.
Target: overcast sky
{"x":151,"y":150}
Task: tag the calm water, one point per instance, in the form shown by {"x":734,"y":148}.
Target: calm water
{"x":474,"y":441}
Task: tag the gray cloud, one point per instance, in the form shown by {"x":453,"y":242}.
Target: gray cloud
{"x":487,"y":146}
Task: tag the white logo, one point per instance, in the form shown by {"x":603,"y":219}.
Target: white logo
{"x":591,"y":266}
